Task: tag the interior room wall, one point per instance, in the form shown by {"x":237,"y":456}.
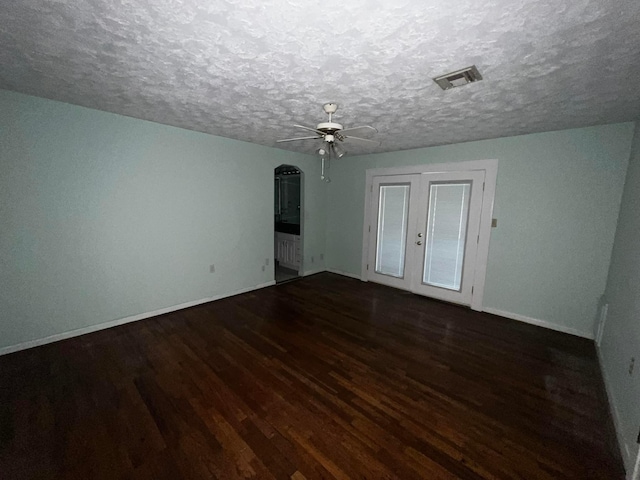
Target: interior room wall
{"x":557,"y":201}
{"x":104,"y":217}
{"x":621,"y":337}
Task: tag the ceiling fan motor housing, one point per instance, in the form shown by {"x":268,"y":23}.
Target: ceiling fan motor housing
{"x":329,"y":127}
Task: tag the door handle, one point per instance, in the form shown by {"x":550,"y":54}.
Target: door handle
{"x":419,"y":242}
{"x":420,"y":235}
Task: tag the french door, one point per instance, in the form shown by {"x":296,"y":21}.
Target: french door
{"x":425,"y":236}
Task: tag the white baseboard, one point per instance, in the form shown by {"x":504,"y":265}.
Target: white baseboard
{"x":617,"y":422}
{"x":344,"y":274}
{"x":122,"y":321}
{"x":306,"y":273}
{"x":540,"y":323}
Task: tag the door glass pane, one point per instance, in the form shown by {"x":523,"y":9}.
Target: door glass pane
{"x":446,"y":234}
{"x":393,"y":211}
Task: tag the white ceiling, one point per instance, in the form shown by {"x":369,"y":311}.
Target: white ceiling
{"x":250,"y":69}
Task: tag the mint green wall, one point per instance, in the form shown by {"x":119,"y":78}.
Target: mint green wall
{"x":621,"y":338}
{"x":104,"y":216}
{"x":556,"y":203}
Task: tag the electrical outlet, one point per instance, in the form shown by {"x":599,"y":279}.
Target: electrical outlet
{"x":322,"y":256}
{"x":263,"y":268}
{"x":212,"y":268}
{"x":312,"y":259}
{"x":632,"y":364}
{"x":266,"y":261}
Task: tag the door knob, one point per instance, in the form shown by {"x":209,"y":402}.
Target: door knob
{"x":419,"y":242}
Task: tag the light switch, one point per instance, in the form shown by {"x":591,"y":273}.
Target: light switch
{"x":494,"y":222}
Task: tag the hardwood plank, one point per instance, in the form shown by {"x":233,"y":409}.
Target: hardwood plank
{"x":324,"y":377}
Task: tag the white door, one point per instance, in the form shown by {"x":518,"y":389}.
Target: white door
{"x":447,"y":232}
{"x":426,"y":234}
{"x":395,"y":199}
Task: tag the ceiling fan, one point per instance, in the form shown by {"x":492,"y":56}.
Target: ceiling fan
{"x":332,"y":134}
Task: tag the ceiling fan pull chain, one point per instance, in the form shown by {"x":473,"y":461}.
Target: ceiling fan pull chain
{"x":324,"y":175}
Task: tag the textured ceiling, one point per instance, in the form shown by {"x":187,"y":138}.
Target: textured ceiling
{"x":250,"y":69}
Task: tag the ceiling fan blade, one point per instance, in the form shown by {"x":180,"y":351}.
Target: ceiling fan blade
{"x":364,"y":130}
{"x":363,"y":140}
{"x":319,"y":132}
{"x":298,"y":138}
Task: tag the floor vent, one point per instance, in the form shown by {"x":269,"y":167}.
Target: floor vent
{"x":458,"y":78}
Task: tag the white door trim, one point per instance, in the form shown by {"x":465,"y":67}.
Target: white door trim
{"x":490,"y":168}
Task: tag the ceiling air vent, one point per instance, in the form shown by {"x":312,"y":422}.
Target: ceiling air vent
{"x":458,"y":78}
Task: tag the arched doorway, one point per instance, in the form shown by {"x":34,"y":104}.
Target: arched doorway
{"x":288,"y":222}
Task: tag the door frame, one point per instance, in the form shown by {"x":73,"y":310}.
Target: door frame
{"x":490,"y":168}
{"x":302,"y":217}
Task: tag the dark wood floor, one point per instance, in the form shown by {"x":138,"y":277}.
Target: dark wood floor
{"x":320,"y":378}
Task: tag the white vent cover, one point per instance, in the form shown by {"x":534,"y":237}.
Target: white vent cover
{"x":458,"y":78}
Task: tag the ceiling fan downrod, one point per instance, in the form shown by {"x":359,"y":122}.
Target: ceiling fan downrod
{"x":330,"y":108}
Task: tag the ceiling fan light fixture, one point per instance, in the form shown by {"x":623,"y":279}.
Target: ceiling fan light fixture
{"x":337,"y":151}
